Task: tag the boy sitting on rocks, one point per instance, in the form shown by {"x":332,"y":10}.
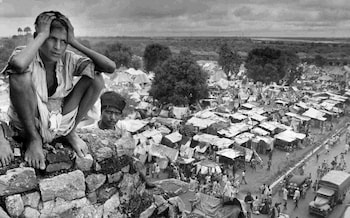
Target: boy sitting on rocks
{"x":45,"y":103}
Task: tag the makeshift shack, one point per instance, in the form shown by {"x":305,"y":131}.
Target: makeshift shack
{"x":288,"y":140}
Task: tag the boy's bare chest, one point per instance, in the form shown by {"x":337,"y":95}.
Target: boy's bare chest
{"x":51,"y":80}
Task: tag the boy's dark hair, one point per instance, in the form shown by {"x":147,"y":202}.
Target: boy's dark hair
{"x":58,"y":17}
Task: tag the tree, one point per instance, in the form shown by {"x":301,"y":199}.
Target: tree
{"x":320,"y":61}
{"x":120,"y":54}
{"x":20,"y":31}
{"x":271,"y":65}
{"x":136,"y":62}
{"x":8,"y":47}
{"x":179,"y":81}
{"x":27,"y":30}
{"x":154,"y":55}
{"x":229,"y":60}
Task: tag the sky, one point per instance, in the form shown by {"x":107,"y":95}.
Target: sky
{"x":263,"y":18}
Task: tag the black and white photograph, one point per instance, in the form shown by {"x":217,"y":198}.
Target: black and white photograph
{"x":174,"y":109}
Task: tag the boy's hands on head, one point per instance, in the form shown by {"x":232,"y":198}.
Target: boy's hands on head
{"x":70,"y":34}
{"x":44,"y":23}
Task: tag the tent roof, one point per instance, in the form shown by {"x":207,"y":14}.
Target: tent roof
{"x":174,"y":137}
{"x":230,"y":153}
{"x":315,"y":114}
{"x":289,"y":136}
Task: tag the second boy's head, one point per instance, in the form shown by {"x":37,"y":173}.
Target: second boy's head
{"x":112,"y":106}
{"x":55,"y":45}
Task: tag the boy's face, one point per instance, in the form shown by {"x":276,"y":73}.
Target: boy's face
{"x":110,"y":117}
{"x":54,"y":46}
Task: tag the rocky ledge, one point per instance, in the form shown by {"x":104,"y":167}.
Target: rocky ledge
{"x":102,"y":184}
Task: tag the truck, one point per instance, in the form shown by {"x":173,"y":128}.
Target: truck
{"x":331,"y":191}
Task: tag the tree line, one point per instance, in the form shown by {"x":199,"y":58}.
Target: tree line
{"x":178,"y":78}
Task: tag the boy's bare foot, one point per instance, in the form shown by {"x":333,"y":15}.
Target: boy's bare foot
{"x":34,"y":155}
{"x":6,"y":154}
{"x":78,"y":144}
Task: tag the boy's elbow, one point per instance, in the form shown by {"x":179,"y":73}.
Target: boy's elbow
{"x":110,"y":68}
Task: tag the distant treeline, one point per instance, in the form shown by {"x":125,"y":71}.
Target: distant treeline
{"x":207,"y":48}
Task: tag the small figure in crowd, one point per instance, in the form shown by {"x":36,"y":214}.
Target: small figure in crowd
{"x":243,"y":177}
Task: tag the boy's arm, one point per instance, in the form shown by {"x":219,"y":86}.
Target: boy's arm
{"x":21,"y":61}
{"x":102,"y":63}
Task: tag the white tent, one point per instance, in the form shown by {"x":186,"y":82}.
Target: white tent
{"x":314,"y":114}
{"x":230,"y":153}
{"x":132,"y":75}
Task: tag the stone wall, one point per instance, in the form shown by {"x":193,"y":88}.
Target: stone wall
{"x":102,"y":184}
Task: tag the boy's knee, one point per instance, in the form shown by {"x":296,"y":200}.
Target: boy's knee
{"x":20,"y":81}
{"x":98,"y":82}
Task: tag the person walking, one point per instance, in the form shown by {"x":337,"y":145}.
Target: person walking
{"x":296,"y":197}
{"x":243,"y":178}
{"x":269,"y":162}
{"x":285,"y":197}
{"x":326,"y":147}
{"x":156,"y":169}
{"x":346,"y":148}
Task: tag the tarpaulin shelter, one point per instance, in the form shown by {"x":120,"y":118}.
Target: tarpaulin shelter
{"x":171,"y":139}
{"x":212,"y":207}
{"x":260,"y":131}
{"x":288,"y":139}
{"x":162,"y":151}
{"x":234,"y":129}
{"x":180,"y":112}
{"x":314,"y":114}
{"x":262,"y":144}
{"x":289,"y":136}
{"x":300,"y":117}
{"x":122,"y":77}
{"x":169,"y":122}
{"x":325,"y":78}
{"x":218,"y":75}
{"x":200,"y":122}
{"x":258,"y":117}
{"x":214,"y":140}
{"x":138,"y":76}
{"x":208,"y":166}
{"x":230,"y":153}
{"x":238,"y":117}
{"x":134,"y":125}
{"x":223,"y":83}
{"x":243,"y":138}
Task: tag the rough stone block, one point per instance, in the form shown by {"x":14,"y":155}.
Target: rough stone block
{"x":87,"y":211}
{"x":115,"y":177}
{"x":59,"y":156}
{"x":18,"y":180}
{"x":54,"y":167}
{"x":30,"y":213}
{"x":148,"y":212}
{"x":59,"y":206}
{"x":92,"y":197}
{"x":110,"y":207}
{"x":3,"y":214}
{"x":94,"y":181}
{"x":67,"y":186}
{"x":14,"y":205}
{"x":31,"y":199}
{"x":103,"y":153}
{"x":84,"y":163}
{"x":105,"y":193}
